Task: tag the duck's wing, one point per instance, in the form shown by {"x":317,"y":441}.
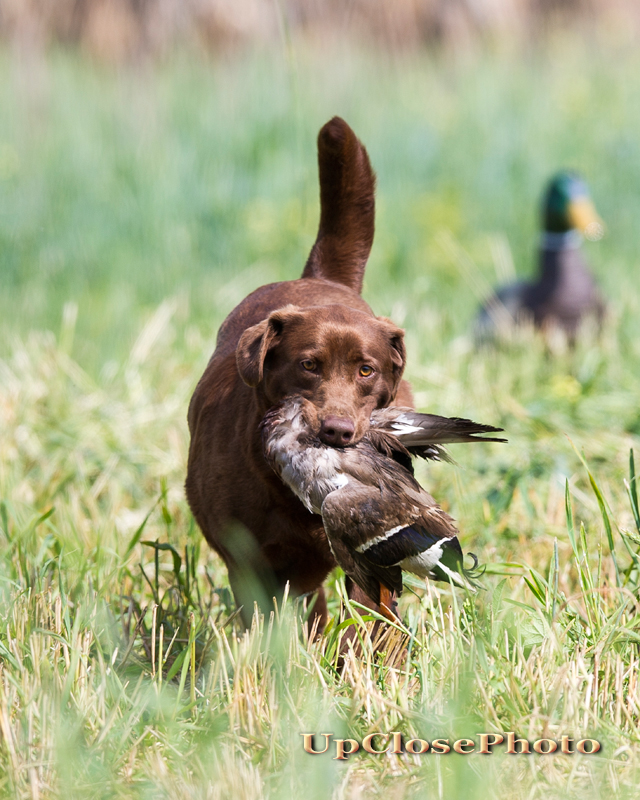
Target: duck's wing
{"x":424,"y":552}
{"x":375,"y":531}
{"x":424,"y":434}
{"x":353,"y":515}
{"x":501,"y":311}
{"x":401,"y":524}
{"x":390,"y":446}
{"x":412,"y":534}
{"x":370,"y":577}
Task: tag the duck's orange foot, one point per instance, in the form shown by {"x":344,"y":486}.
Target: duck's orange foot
{"x":387,"y":604}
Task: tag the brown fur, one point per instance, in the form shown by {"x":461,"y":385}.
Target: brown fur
{"x":247,"y":515}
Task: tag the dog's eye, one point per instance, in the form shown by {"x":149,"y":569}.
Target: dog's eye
{"x":309,"y":364}
{"x":366,"y":371}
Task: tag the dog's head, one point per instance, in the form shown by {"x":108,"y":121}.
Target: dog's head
{"x":345,"y":362}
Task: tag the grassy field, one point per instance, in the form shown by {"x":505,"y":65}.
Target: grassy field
{"x":136,"y":209}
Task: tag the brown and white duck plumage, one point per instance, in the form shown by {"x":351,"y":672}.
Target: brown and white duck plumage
{"x":379,"y":521}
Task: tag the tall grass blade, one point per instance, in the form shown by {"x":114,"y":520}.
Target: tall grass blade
{"x":607,"y":526}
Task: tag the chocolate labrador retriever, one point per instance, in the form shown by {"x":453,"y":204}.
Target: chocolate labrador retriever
{"x":315,"y":337}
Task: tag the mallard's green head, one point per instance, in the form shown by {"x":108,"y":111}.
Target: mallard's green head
{"x":567,"y":206}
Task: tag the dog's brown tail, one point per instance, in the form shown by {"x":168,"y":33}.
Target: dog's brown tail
{"x":347,"y":208}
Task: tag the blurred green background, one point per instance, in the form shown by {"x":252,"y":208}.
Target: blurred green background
{"x":195,"y":177}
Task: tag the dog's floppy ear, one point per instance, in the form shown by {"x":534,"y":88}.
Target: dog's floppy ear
{"x":256,"y":342}
{"x":398,"y":350}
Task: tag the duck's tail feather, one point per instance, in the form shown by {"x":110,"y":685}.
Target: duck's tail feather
{"x":450,"y":569}
{"x":426,"y":431}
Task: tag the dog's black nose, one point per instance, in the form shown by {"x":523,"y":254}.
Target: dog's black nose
{"x":337,"y":431}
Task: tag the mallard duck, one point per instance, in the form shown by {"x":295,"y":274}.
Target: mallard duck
{"x":564,"y":291}
{"x":379,"y":521}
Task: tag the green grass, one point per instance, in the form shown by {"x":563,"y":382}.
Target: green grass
{"x":136,"y":209}
{"x":198,"y":179}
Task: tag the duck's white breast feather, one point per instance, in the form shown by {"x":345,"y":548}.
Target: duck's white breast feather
{"x":310,"y":472}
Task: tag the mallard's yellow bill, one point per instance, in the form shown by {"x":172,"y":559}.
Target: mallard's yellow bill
{"x":584,"y":217}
